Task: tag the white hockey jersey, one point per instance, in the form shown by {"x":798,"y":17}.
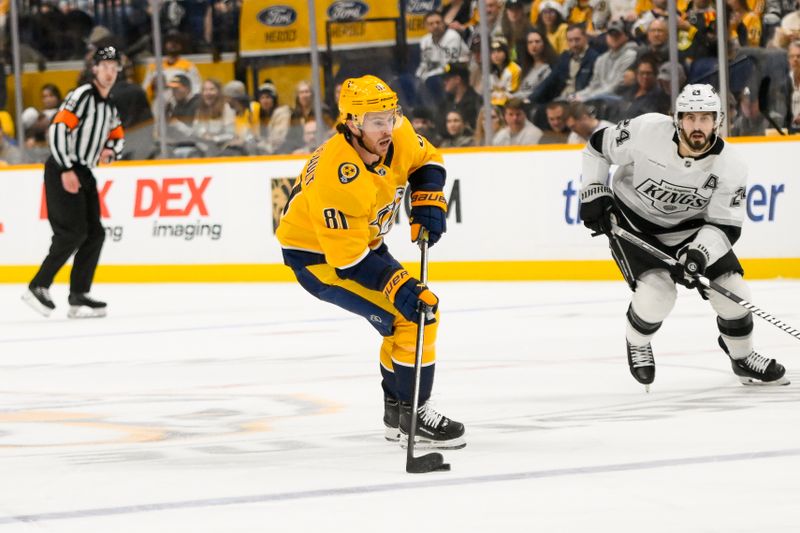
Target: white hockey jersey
{"x":659,"y":191}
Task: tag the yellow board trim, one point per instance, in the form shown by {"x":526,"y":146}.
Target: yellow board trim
{"x":440,"y":271}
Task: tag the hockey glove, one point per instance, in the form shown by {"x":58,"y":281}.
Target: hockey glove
{"x":408,"y":294}
{"x":691,"y":263}
{"x":597,"y":208}
{"x":429,"y":211}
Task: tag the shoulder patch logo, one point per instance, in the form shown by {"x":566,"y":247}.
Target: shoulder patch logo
{"x":348,"y":172}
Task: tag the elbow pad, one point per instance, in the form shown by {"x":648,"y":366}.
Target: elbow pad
{"x":595,"y":166}
{"x":372,"y":272}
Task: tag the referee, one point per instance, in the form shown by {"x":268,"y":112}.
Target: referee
{"x":86,"y":129}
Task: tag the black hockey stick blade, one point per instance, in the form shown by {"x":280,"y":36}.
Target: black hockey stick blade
{"x":430,"y":462}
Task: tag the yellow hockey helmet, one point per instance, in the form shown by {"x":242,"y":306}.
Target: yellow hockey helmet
{"x":367,"y":94}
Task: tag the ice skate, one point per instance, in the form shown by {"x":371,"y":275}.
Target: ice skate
{"x":83,"y":306}
{"x":38,"y":298}
{"x":755,"y":369}
{"x":391,"y":419}
{"x":642,"y":364}
{"x":434,"y":430}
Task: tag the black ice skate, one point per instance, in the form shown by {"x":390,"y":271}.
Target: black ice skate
{"x":755,"y":369}
{"x":82,"y":306}
{"x":642,"y":364}
{"x":391,"y":419}
{"x":39,"y":300}
{"x":434,"y":430}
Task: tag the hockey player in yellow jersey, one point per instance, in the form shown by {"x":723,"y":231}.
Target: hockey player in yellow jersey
{"x":341,"y":206}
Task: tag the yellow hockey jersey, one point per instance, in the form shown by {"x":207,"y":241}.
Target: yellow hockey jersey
{"x":341,"y":207}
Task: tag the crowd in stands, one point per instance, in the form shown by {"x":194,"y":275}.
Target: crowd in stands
{"x":558,"y":72}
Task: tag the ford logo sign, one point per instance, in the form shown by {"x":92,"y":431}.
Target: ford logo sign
{"x":277,"y":16}
{"x":347,"y":10}
{"x":420,"y":7}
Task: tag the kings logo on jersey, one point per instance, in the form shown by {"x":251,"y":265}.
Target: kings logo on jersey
{"x":386,"y":215}
{"x":669,"y":198}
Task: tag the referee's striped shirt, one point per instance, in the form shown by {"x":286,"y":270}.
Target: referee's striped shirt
{"x":84,"y":125}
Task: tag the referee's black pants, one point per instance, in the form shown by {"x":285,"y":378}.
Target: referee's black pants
{"x":75,"y":219}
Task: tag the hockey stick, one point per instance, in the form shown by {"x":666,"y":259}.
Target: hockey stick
{"x":705,"y":282}
{"x":432,"y":461}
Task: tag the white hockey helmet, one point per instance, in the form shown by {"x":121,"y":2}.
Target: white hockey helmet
{"x":699,"y":98}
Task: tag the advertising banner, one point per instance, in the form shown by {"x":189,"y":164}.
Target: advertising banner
{"x":279,"y":27}
{"x":508,"y":209}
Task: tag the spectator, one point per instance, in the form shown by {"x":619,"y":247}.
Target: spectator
{"x":519,"y":131}
{"x":456,"y":16}
{"x":665,"y":77}
{"x":172,"y":64}
{"x":701,"y":33}
{"x":656,"y":42}
{"x":494,"y":19}
{"x":515,"y":29}
{"x":646,"y":96}
{"x":182,"y":106}
{"x":131,"y":102}
{"x":573,"y":70}
{"x":582,"y":123}
{"x":136,"y":117}
{"x":222,"y":25}
{"x":744,"y":24}
{"x":438,"y":47}
{"x":51,"y":100}
{"x":793,"y":93}
{"x":9,"y":154}
{"x":35,"y":123}
{"x":774,"y":11}
{"x":789,"y":30}
{"x":580,"y":12}
{"x":3,"y":89}
{"x":302,"y":111}
{"x":273,"y":118}
{"x":610,"y":66}
{"x":215,"y":120}
{"x":309,"y":138}
{"x":557,"y":130}
{"x":7,"y":124}
{"x":423,"y":123}
{"x":459,"y":95}
{"x":497,"y":123}
{"x":536,"y":64}
{"x":601,"y":14}
{"x":475,"y":64}
{"x":245,"y":127}
{"x":504,"y":73}
{"x":658,"y":11}
{"x":551,"y":23}
{"x":457,"y":133}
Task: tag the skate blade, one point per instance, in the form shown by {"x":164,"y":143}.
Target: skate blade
{"x":82,"y":311}
{"x":750,"y":382}
{"x":425,"y":444}
{"x":36,"y":305}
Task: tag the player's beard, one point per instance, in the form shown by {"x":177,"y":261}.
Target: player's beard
{"x":696,"y":143}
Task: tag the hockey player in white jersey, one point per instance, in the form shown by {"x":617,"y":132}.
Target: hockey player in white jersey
{"x":681,"y":188}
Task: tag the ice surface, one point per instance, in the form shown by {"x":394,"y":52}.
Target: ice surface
{"x":253,"y":408}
